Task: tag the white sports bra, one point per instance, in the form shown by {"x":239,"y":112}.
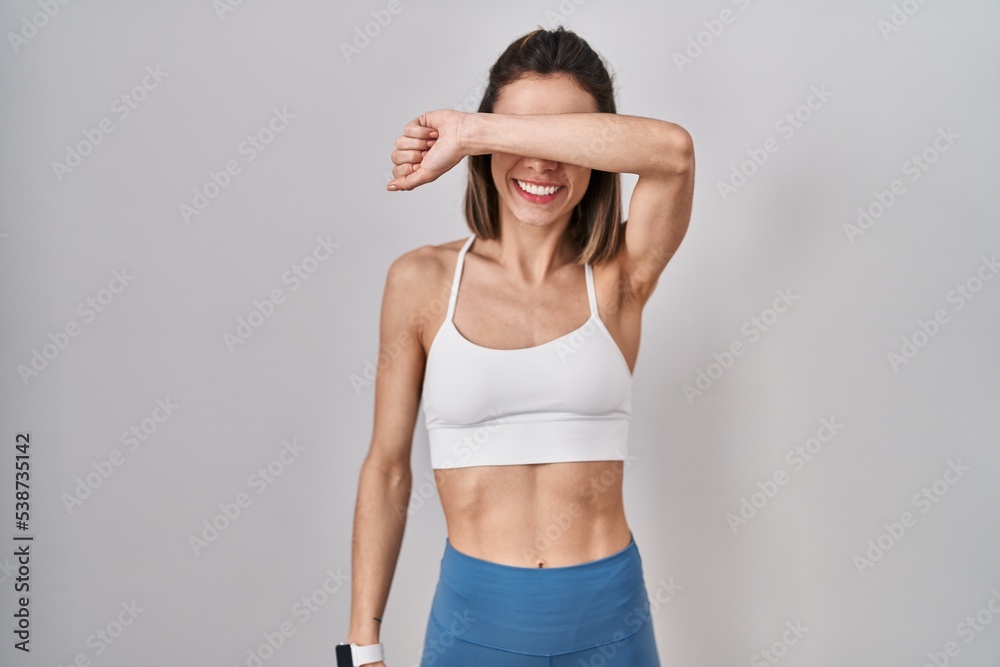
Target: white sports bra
{"x":569,"y":399}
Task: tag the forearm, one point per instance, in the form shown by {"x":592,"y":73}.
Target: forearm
{"x":379,"y":522}
{"x":602,"y":141}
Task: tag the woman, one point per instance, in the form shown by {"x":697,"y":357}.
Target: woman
{"x":528,"y":424}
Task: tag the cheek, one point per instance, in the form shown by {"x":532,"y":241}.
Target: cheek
{"x":500,"y":164}
{"x":580,"y":183}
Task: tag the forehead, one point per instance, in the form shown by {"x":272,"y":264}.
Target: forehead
{"x":552,"y":93}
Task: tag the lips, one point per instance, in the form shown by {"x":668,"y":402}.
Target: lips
{"x":537,"y":193}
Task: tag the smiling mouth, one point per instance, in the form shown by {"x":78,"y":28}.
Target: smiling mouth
{"x":539,"y":194}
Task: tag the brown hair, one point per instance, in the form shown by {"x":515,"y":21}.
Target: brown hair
{"x":596,"y":223}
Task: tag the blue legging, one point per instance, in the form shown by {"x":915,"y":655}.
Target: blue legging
{"x":594,"y":614}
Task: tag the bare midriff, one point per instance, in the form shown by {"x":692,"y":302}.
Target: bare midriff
{"x":539,"y":515}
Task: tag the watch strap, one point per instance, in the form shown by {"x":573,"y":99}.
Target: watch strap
{"x":364,"y":655}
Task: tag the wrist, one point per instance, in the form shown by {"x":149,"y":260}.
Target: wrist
{"x":469,"y":130}
{"x":352,"y":654}
{"x":363,"y":637}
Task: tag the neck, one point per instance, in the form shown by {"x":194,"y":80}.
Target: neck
{"x":531,"y":252}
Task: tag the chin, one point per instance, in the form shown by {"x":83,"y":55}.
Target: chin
{"x":533,"y":219}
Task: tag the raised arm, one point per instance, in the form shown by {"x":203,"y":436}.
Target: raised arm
{"x":661,"y":153}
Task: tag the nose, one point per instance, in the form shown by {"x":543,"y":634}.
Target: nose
{"x":540,"y":164}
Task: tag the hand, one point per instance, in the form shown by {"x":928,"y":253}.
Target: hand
{"x":429,"y":146}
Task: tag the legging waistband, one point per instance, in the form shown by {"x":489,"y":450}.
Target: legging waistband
{"x":541,"y":611}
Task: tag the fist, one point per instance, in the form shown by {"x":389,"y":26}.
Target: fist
{"x":430,"y":145}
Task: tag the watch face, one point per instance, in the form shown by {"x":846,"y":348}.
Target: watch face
{"x":344,"y":656}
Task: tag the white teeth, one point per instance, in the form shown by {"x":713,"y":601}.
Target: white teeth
{"x":538,"y":190}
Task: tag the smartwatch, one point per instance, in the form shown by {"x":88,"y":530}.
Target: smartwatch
{"x":352,"y":655}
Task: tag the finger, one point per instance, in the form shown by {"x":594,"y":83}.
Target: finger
{"x":418,"y":131}
{"x":422,"y":122}
{"x":416,"y":178}
{"x":401,"y":157}
{"x":404,"y":169}
{"x":412,"y":143}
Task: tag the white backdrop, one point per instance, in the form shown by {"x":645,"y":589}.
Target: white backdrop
{"x":171,"y":170}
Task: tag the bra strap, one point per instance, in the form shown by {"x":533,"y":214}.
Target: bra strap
{"x":591,"y":292}
{"x":457,"y":278}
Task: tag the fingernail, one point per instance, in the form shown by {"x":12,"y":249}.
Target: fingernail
{"x":392,"y":187}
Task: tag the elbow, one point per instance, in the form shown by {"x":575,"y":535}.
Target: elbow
{"x":675,"y":151}
{"x":394,"y":470}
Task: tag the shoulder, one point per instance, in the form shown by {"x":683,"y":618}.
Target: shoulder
{"x":424,"y":264}
{"x":420,"y":278}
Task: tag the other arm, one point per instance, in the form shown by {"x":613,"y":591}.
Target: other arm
{"x":386,"y":478}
